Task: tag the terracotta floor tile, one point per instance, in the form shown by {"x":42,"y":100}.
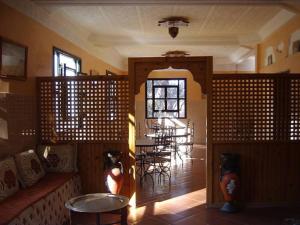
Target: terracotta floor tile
{"x":151,"y":221}
{"x":183,"y":203}
{"x":136,"y":215}
{"x":177,"y":204}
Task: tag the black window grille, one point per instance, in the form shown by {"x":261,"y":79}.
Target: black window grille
{"x":65,"y":64}
{"x":165,"y":98}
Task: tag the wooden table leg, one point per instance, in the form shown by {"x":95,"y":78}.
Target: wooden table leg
{"x":98,"y":218}
{"x":72,"y":217}
{"x":124,"y":214}
{"x":75,"y":218}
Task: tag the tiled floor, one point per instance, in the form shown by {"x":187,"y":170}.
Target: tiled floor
{"x":184,"y":202}
{"x":186,"y":177}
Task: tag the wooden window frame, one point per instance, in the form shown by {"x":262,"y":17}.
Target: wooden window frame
{"x":165,"y":98}
{"x":60,"y":51}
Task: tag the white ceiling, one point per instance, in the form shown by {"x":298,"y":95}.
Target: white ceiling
{"x":223,"y":31}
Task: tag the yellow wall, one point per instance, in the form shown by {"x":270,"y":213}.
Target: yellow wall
{"x":283,"y":60}
{"x":196,"y":103}
{"x":40,"y":41}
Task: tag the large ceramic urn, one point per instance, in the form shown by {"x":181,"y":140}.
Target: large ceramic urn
{"x":113,"y":171}
{"x":229,"y":181}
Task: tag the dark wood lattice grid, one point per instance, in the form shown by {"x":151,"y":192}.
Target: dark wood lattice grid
{"x":84,"y":109}
{"x":19,"y":113}
{"x":295,"y":109}
{"x":242,"y":109}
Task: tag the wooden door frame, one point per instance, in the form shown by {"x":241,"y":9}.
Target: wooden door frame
{"x":138,"y":70}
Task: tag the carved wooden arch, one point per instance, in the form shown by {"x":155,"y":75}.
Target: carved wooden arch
{"x":140,"y":68}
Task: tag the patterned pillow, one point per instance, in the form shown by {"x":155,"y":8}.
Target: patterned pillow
{"x":58,"y":158}
{"x":29,"y":168}
{"x":8,"y":178}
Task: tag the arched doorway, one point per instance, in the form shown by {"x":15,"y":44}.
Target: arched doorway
{"x":139,"y":69}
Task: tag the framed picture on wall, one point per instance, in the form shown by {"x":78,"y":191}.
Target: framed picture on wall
{"x":13,"y":60}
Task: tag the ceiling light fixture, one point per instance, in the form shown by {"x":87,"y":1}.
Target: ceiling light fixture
{"x":176,"y":53}
{"x":173,"y":24}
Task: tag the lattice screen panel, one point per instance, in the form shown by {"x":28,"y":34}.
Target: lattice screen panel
{"x":84,"y":109}
{"x":19,"y":113}
{"x":242,"y":109}
{"x":295,"y":109}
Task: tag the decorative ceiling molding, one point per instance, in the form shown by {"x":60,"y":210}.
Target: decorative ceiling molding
{"x":164,"y":2}
{"x":102,"y":40}
{"x":275,"y":23}
{"x":240,"y":54}
{"x":249,"y":39}
{"x":218,"y":27}
{"x":292,"y":7}
{"x":59,"y":24}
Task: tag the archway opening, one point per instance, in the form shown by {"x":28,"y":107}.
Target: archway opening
{"x":188,"y":174}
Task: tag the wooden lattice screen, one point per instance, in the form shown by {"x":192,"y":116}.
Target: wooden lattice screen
{"x":255,"y":108}
{"x":295,"y":109}
{"x":21,"y":115}
{"x":18,"y":111}
{"x":83,"y":109}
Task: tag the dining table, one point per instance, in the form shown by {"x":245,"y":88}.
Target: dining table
{"x":175,"y":137}
{"x":145,"y":143}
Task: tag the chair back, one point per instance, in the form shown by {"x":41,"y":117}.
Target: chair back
{"x":192,"y":132}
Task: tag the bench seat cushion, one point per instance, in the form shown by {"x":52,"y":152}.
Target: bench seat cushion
{"x":8,"y":179}
{"x":24,"y":198}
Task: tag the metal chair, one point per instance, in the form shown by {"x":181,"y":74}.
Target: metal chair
{"x":157,"y":162}
{"x":163,"y":157}
{"x":189,"y":142}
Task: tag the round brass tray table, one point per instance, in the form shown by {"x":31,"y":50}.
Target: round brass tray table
{"x":96,"y":204}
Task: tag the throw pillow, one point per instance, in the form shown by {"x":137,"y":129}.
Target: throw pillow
{"x":29,"y":168}
{"x":8,"y":178}
{"x":58,"y":158}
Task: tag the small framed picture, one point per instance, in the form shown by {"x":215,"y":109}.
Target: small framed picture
{"x":13,"y":60}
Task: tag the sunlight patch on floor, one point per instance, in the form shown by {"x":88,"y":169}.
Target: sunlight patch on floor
{"x":181,"y":203}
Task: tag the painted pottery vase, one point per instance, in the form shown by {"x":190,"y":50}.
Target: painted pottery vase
{"x":230,"y":181}
{"x":113,"y":171}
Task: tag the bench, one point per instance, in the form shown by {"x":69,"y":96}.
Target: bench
{"x":42,"y":203}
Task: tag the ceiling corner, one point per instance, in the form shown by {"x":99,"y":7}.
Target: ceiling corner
{"x":280,"y":19}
